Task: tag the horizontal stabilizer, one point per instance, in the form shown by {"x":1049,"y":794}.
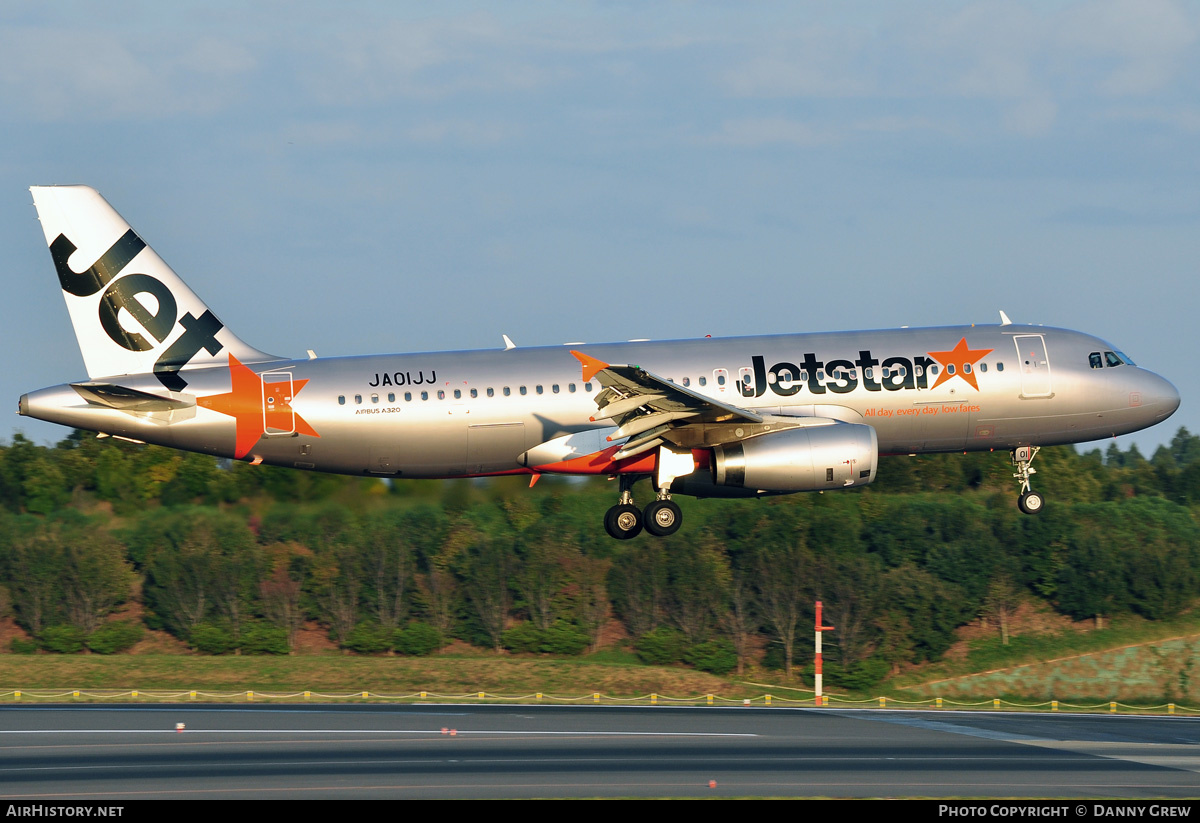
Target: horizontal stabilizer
{"x":123,"y":398}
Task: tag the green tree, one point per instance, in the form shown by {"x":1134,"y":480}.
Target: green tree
{"x":698,"y":584}
{"x":488,"y":578}
{"x":638,"y":583}
{"x":96,"y":578}
{"x":783,"y":581}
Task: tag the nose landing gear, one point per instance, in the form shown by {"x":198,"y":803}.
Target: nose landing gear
{"x":1029,"y":501}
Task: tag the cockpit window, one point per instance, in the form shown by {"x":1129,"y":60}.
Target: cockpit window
{"x":1095,"y":361}
{"x":1111,"y":359}
{"x":1124,"y":358}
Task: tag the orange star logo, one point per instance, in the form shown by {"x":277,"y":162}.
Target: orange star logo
{"x":257,"y":406}
{"x":959,"y":358}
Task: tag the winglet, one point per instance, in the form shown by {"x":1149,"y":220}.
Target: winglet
{"x":591,"y":366}
{"x":1004,"y":321}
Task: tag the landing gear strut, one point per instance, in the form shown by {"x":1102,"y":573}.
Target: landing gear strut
{"x":1029,"y":502}
{"x":624,"y":520}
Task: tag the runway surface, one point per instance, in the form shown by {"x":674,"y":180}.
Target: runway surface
{"x":344,"y":751}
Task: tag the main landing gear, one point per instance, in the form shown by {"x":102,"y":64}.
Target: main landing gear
{"x":625,"y":521}
{"x":1030,"y":502}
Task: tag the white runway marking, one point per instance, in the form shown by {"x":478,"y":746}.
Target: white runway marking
{"x":432,"y":732}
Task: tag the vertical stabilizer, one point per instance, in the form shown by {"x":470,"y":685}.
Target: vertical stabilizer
{"x":132,"y":314}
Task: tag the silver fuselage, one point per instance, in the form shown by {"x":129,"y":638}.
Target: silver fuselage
{"x":453,"y":414}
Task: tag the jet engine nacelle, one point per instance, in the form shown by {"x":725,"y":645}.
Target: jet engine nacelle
{"x":812,"y":458}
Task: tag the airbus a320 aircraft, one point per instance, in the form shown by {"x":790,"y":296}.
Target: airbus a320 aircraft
{"x":734,"y":417}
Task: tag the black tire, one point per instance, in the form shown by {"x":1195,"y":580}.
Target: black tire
{"x":662,"y":517}
{"x":1031,"y":502}
{"x":623,"y":522}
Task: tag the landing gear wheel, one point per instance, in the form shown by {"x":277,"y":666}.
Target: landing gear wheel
{"x":1031,"y":502}
{"x":662,"y":517}
{"x":623,"y":522}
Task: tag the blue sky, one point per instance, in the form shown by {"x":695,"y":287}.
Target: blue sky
{"x":367,"y":177}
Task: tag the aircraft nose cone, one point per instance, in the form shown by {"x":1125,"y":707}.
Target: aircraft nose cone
{"x":1160,"y":396}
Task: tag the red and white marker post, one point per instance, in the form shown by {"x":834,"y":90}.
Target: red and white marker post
{"x":820,"y":629}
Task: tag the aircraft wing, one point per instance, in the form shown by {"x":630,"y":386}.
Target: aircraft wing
{"x":645,"y":406}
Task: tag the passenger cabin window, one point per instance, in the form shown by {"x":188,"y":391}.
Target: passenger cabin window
{"x":999,"y":367}
{"x":341,"y":399}
{"x":983,"y":366}
{"x":441,"y":394}
{"x":408,"y":397}
{"x":507,"y":391}
{"x":358,"y":399}
{"x":539,"y":389}
{"x":374,"y":398}
{"x":474,"y":393}
{"x":687,"y":381}
{"x":746,"y":380}
{"x":523,"y":390}
{"x":458,"y":394}
{"x":587,"y":386}
{"x":491,"y":392}
{"x":703,"y":381}
{"x":424,"y":395}
{"x":571,"y":388}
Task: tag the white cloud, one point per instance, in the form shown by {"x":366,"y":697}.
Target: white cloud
{"x":763,"y":131}
{"x":1027,"y":60}
{"x":420,"y":58}
{"x":1031,"y":115}
{"x":1184,"y":118}
{"x":465,"y":132}
{"x":210,"y":55}
{"x":811,"y":62}
{"x":1147,"y":39}
{"x":52,"y":74}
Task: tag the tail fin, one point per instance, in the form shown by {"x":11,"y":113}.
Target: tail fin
{"x":132,"y":314}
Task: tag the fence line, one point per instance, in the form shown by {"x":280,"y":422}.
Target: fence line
{"x":933,"y":704}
